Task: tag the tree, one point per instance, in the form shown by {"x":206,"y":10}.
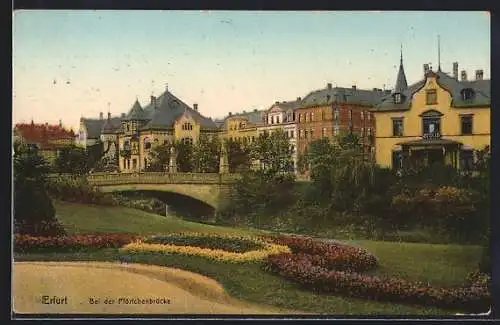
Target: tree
{"x":206,"y":155}
{"x":159,"y":158}
{"x":274,"y":153}
{"x":34,"y":213}
{"x":184,"y":156}
{"x":72,"y":160}
{"x":238,"y":156}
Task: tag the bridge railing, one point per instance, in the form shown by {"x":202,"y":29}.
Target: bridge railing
{"x":160,"y":178}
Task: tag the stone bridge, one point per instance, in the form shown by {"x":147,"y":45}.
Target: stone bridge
{"x":211,"y":188}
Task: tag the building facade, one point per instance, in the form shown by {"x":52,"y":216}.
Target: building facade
{"x":439,"y":119}
{"x":333,"y":111}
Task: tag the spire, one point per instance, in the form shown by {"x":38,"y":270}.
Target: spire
{"x":439,"y":53}
{"x":401,"y":83}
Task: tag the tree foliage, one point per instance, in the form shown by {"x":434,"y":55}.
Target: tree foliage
{"x":206,"y":155}
{"x":73,"y":160}
{"x":185,"y":156}
{"x":274,"y":153}
{"x":239,"y":157}
{"x":158,"y":158}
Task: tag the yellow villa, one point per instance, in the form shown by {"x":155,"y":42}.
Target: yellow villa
{"x":440,"y":119}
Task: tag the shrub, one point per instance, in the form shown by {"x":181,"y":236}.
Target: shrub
{"x":27,"y":243}
{"x":78,"y":190}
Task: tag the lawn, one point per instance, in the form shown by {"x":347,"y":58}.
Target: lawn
{"x":437,"y":264}
{"x":78,"y":218}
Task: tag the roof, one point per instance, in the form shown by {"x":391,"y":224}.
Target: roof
{"x":43,"y":134}
{"x":164,"y":110}
{"x":401,"y":83}
{"x":136,"y":112}
{"x":481,"y":89}
{"x":95,"y":127}
{"x":343,"y":95}
{"x":254,"y":117}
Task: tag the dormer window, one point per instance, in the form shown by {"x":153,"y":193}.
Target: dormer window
{"x":467,"y":94}
{"x":397,"y":98}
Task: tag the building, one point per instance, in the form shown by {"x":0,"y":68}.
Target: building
{"x":48,"y":139}
{"x":165,"y":120}
{"x":439,"y":119}
{"x":91,"y":129}
{"x":333,"y":111}
{"x":242,"y":126}
{"x":281,"y":115}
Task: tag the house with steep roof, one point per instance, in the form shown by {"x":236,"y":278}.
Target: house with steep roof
{"x":164,"y":120}
{"x":439,"y":119}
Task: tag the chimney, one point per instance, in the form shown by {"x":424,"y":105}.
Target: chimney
{"x":244,"y":111}
{"x":388,"y":91}
{"x":277,"y":102}
{"x":255,"y":110}
{"x":123,"y":115}
{"x":353,"y":87}
{"x":101,"y":115}
{"x":426,"y":69}
{"x":230,"y":114}
{"x":375,"y":89}
{"x":109,"y":115}
{"x":329,"y":86}
{"x":60,"y":123}
{"x":153,"y":100}
{"x":299,"y":99}
{"x":455,"y":70}
{"x":195,"y":106}
{"x":463,"y":75}
{"x":479,"y":74}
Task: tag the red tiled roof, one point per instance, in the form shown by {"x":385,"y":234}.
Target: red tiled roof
{"x":43,"y":134}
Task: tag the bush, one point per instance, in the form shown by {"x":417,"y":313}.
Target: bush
{"x":77,"y":190}
{"x":27,"y":243}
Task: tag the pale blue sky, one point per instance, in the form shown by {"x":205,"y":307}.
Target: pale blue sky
{"x":224,"y":60}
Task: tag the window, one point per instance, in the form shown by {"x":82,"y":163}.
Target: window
{"x":147,"y":144}
{"x":301,"y":133}
{"x":397,"y":98}
{"x":369,"y":132}
{"x":369,"y":116}
{"x":397,"y":127}
{"x":134,"y":163}
{"x":336,"y":130}
{"x":278,"y":119}
{"x":307,"y":117}
{"x":323,"y":132}
{"x":305,"y":134}
{"x":156,"y":141}
{"x":362,"y":115}
{"x":128,"y":127}
{"x":253,"y":138}
{"x":431,"y":97}
{"x":292,"y":135}
{"x":312,"y":116}
{"x":145,"y":163}
{"x":336,"y":114}
{"x":350,"y":114}
{"x":466,"y":159}
{"x":397,"y":160}
{"x":300,"y":117}
{"x":362,"y":132}
{"x":466,"y":122}
{"x":187,"y":140}
{"x":467,"y":94}
{"x":431,"y":123}
{"x":312,"y":133}
{"x":289,"y":117}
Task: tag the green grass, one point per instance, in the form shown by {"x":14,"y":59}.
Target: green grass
{"x":248,"y":282}
{"x":79,"y":218}
{"x":441,"y":265}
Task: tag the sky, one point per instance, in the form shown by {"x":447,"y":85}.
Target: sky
{"x":68,"y":64}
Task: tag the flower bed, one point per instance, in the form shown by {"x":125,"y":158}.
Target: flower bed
{"x":330,"y":254}
{"x":230,"y":244}
{"x":309,"y":268}
{"x":164,"y":246}
{"x":27,"y":243}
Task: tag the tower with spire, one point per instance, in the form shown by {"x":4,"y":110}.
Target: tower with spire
{"x":401,"y":83}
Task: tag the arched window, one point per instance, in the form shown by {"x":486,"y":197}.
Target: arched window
{"x":147,"y":143}
{"x":431,"y":123}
